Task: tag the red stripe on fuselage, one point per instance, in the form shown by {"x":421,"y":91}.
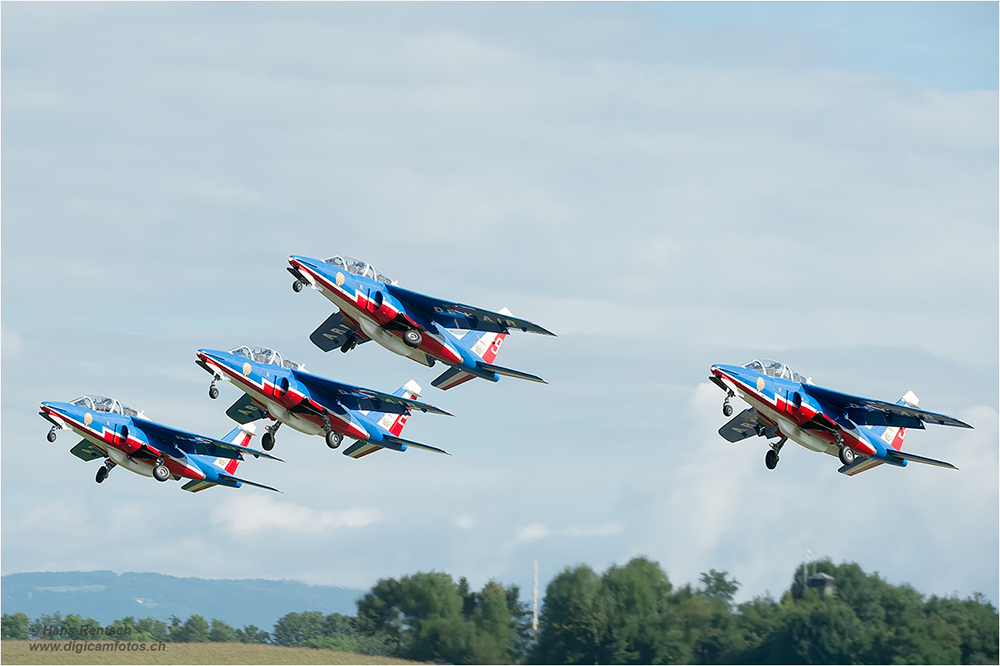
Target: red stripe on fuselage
{"x":358,"y":305}
{"x":759,"y":401}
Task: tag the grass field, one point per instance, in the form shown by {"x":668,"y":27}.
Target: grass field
{"x":19,"y":652}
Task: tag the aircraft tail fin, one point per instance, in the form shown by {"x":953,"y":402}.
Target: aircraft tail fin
{"x":891,"y":435}
{"x":393,"y":423}
{"x":240,"y":435}
{"x":486,"y":346}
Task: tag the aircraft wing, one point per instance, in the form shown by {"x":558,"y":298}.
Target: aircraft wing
{"x":335,"y":331}
{"x":86,"y":451}
{"x":360,"y":399}
{"x":745,"y":424}
{"x":458,"y":316}
{"x":864,"y":411}
{"x":360,"y":449}
{"x":196,"y":444}
{"x":245,"y":410}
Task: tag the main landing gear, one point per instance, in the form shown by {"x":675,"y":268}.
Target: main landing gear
{"x":160,"y":471}
{"x":267,"y":440}
{"x":332,"y":437}
{"x":52,"y":435}
{"x":102,"y":471}
{"x":349,"y":344}
{"x":412,"y":337}
{"x":213,"y":392}
{"x":771,"y":457}
{"x":727,"y":409}
{"x":846,"y":454}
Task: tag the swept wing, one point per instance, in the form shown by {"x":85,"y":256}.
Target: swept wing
{"x":360,"y":399}
{"x":865,"y":411}
{"x":458,"y":316}
{"x":196,"y":444}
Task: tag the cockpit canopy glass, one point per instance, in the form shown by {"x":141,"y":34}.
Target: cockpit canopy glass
{"x":775,"y":369}
{"x":99,"y":403}
{"x":357,"y":267}
{"x":266,"y":355}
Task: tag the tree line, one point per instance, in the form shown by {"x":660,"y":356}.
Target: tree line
{"x":630,"y":614}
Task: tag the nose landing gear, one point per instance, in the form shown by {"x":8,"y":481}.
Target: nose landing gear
{"x":52,"y":435}
{"x":771,"y":457}
{"x":213,"y":392}
{"x":727,"y":409}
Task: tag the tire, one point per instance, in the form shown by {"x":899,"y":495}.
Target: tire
{"x":102,"y":474}
{"x":51,"y":436}
{"x":727,"y":409}
{"x":297,"y":286}
{"x":160,"y":472}
{"x":213,"y":392}
{"x":771,"y":459}
{"x":267,"y":441}
{"x":412,"y":337}
{"x":846,"y":455}
{"x":333,"y":439}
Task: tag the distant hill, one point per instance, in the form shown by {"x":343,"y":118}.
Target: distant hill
{"x":107,"y":596}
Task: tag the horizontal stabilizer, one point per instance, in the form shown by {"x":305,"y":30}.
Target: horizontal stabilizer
{"x":245,"y":410}
{"x":360,"y":449}
{"x":510,"y":373}
{"x":902,"y":455}
{"x":86,"y":451}
{"x":224,"y":480}
{"x":859,"y":465}
{"x":451,"y":378}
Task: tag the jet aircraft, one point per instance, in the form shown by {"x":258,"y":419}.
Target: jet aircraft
{"x":277,"y":388}
{"x":863,"y":433}
{"x":370,"y":306}
{"x":124,"y":437}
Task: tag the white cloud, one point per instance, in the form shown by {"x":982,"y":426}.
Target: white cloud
{"x":244,"y":517}
{"x":10,"y":341}
{"x":530,"y":533}
{"x":465,"y":522}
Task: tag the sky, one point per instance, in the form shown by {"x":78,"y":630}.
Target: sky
{"x":664,"y":186}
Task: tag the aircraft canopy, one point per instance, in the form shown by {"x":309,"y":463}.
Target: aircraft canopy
{"x":266,"y":355}
{"x":357,"y":267}
{"x":99,"y":403}
{"x":775,"y":369}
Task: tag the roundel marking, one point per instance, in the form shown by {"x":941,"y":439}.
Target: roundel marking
{"x":88,"y":418}
{"x":246,"y":369}
{"x":760,"y":384}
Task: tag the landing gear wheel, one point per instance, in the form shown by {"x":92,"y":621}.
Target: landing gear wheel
{"x":412,"y":337}
{"x":727,"y":409}
{"x":846,"y":455}
{"x":102,"y":473}
{"x":160,"y":472}
{"x":213,"y":392}
{"x":51,"y":436}
{"x":297,"y":286}
{"x":333,"y":439}
{"x":771,"y":459}
{"x":267,"y":441}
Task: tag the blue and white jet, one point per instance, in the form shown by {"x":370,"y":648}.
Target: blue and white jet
{"x":277,"y":388}
{"x":370,"y":306}
{"x":123,"y":437}
{"x":863,"y":433}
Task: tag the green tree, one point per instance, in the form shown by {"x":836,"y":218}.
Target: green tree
{"x":491,"y":631}
{"x":221,"y":632}
{"x":14,"y":627}
{"x":296,"y":629}
{"x":432,"y":607}
{"x":194,"y":630}
{"x":716,"y":585}
{"x":571,"y":623}
{"x":379,"y":615}
{"x":640,"y":628}
{"x":251,"y":634}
